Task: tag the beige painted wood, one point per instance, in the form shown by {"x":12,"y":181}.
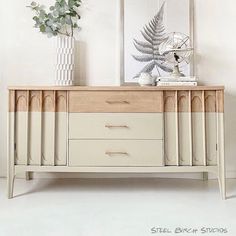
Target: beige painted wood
{"x":119,"y":169}
{"x":61,"y":139}
{"x":115,"y":126}
{"x":21,"y":131}
{"x":204,"y":128}
{"x":198,"y":143}
{"x":185,"y":152}
{"x":48,"y":138}
{"x":177,"y":129}
{"x":211,"y":138}
{"x":192,"y":120}
{"x":221,"y":154}
{"x":116,"y":88}
{"x":170,"y":135}
{"x":190,"y":129}
{"x":34,"y":149}
{"x":11,"y":150}
{"x":115,"y":153}
{"x":115,"y":101}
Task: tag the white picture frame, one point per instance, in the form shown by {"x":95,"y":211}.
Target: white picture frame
{"x":121,"y":41}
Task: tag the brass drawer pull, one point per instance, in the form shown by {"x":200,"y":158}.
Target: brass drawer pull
{"x":117,"y":102}
{"x":117,"y":153}
{"x":116,"y":126}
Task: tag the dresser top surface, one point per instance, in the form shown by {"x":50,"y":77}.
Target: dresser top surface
{"x":115,"y":88}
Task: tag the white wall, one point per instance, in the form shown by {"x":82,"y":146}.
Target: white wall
{"x":27,"y":57}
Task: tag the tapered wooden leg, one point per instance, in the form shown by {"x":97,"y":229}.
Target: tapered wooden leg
{"x":10,"y":183}
{"x":205,"y":176}
{"x":222,"y":183}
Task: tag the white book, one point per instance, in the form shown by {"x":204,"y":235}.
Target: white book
{"x":176,"y":83}
{"x":177,"y":79}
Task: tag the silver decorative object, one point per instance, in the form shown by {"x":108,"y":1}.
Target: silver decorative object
{"x":177,"y":51}
{"x":154,"y":35}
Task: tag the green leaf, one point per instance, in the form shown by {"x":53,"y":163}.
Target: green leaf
{"x":51,"y":8}
{"x":35,"y":18}
{"x":42,"y":28}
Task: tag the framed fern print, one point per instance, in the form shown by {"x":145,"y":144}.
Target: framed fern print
{"x":144,"y":26}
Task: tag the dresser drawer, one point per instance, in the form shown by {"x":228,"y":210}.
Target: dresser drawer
{"x":116,"y":153}
{"x":115,"y":101}
{"x":116,"y":125}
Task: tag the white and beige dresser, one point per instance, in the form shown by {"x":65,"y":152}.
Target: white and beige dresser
{"x":116,"y":130}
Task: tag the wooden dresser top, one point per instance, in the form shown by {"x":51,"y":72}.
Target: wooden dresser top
{"x":115,"y":88}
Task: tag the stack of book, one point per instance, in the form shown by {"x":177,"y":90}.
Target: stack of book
{"x":176,"y":81}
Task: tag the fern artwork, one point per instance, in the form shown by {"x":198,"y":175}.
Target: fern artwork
{"x":153,"y":34}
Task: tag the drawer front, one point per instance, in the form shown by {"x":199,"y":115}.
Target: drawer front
{"x":116,"y":126}
{"x":116,"y":153}
{"x":115,"y":101}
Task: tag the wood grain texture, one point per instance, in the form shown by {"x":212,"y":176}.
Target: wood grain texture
{"x":220,"y":101}
{"x":21,"y":101}
{"x":48,"y":101}
{"x":169,"y":101}
{"x":183,"y":101}
{"x":197,"y":102}
{"x":11,"y":102}
{"x":35,"y":101}
{"x":210,"y":101}
{"x":61,"y":101}
{"x":115,"y":101}
{"x":116,"y":88}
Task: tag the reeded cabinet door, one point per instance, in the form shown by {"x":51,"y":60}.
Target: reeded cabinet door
{"x":39,"y":121}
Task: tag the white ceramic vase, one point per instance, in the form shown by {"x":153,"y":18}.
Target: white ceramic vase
{"x":65,"y":62}
{"x":145,"y":79}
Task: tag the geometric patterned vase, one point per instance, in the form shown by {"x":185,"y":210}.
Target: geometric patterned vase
{"x":65,"y":62}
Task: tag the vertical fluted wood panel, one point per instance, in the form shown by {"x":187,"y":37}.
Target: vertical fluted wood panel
{"x":211,"y":128}
{"x":61,"y":129}
{"x":48,"y":128}
{"x":170,"y":148}
{"x":34,"y":138}
{"x":184,"y":128}
{"x":198,"y":128}
{"x":21,"y":135}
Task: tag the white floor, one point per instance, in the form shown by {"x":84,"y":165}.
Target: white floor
{"x":115,"y":207}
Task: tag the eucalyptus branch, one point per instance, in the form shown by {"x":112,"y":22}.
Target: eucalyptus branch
{"x":61,"y":18}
